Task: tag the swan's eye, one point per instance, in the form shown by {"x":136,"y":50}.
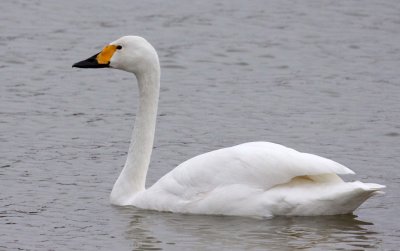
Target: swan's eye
{"x":119,"y":47}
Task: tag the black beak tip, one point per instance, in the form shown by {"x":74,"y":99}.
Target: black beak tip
{"x":80,"y":64}
{"x":85,"y":64}
{"x":90,"y":63}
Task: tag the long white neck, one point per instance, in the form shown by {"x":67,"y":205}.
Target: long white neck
{"x":133,"y":177}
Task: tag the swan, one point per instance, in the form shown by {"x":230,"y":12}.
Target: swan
{"x":256,"y":179}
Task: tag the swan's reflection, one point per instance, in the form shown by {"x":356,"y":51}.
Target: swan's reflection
{"x":158,"y":231}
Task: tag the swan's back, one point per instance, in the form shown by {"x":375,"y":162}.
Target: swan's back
{"x":256,"y":164}
{"x":257,"y":178}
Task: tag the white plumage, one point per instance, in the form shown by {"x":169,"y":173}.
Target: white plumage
{"x":256,"y":179}
{"x":251,"y":179}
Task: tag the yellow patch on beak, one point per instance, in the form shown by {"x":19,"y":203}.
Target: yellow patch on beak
{"x":105,"y":55}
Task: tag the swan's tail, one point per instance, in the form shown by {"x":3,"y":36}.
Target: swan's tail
{"x":326,"y":199}
{"x":352,"y":195}
{"x":372,"y":189}
{"x":358,"y":194}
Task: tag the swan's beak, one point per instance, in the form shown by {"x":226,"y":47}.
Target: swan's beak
{"x":100,"y":60}
{"x":90,"y":63}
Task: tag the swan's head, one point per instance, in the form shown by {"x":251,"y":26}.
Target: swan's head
{"x":129,"y":53}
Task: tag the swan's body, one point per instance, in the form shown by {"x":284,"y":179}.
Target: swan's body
{"x":257,"y":179}
{"x":251,"y":179}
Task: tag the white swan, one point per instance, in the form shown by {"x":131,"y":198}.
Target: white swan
{"x":251,"y":179}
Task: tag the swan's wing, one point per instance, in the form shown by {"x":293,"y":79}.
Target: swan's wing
{"x":259,"y":165}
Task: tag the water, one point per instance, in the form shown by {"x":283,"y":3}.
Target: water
{"x":318,"y":76}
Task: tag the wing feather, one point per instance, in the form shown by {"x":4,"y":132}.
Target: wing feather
{"x":259,"y":165}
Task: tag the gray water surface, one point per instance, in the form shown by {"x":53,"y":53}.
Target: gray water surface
{"x":319,"y":76}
